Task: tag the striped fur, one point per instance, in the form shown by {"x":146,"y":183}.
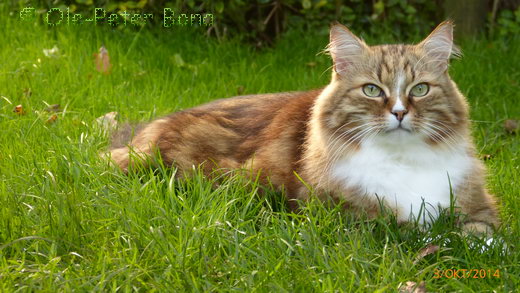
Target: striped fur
{"x":319,"y":133}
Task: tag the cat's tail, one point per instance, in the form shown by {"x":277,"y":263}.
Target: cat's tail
{"x":136,"y":144}
{"x":124,"y":134}
{"x":127,"y":145}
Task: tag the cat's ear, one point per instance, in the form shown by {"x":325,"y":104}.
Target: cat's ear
{"x":344,"y":47}
{"x":439,"y":47}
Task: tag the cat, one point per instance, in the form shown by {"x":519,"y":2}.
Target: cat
{"x":391,"y":128}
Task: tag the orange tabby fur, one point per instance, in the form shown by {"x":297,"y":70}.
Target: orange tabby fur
{"x":280,"y":135}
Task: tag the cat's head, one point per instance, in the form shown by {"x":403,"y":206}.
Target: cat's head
{"x":387,"y":90}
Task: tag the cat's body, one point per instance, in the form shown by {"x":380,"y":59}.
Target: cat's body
{"x":390,"y":128}
{"x":264,"y":132}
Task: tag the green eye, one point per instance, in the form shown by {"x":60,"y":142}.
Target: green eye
{"x":420,"y":90}
{"x":372,"y":90}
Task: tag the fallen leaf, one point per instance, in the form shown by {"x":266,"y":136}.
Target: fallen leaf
{"x":108,"y":121}
{"x":412,"y":287}
{"x":52,"y":53}
{"x":19,"y":110}
{"x":511,"y":126}
{"x":430,"y":249}
{"x":487,"y":157}
{"x":52,"y":119}
{"x":53,"y":108}
{"x":102,"y":60}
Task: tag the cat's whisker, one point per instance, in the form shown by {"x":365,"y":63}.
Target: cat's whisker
{"x":443,"y":131}
{"x":333,"y":139}
{"x":345,"y":125}
{"x":433,"y":134}
{"x":362,"y":137}
{"x":338,"y":151}
{"x":367,"y":125}
{"x":430,"y":133}
{"x":427,"y":126}
{"x":437,"y":134}
{"x":334,"y":149}
{"x":437,"y":121}
{"x":481,"y":121}
{"x":327,"y":70}
{"x":448,"y":130}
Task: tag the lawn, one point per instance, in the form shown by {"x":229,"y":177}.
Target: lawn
{"x":68,"y":221}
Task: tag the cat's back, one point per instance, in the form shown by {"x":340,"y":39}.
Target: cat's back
{"x":230,"y":131}
{"x":246,"y":106}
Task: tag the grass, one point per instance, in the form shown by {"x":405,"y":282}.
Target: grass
{"x":69,"y":222}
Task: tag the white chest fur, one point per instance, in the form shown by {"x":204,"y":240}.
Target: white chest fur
{"x":405,"y":171}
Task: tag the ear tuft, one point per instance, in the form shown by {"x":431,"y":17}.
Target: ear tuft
{"x":344,"y":47}
{"x":439,"y":46}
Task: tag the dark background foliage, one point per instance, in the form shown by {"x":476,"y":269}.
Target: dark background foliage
{"x":263,"y":21}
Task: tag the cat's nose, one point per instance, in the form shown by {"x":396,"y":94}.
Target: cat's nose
{"x":399,"y":115}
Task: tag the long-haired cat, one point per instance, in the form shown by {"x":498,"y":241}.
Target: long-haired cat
{"x":391,"y":128}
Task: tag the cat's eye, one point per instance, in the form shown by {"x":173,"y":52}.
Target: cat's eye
{"x":420,"y":90}
{"x":372,"y":90}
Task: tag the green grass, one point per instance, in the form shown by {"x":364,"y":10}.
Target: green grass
{"x":70,"y":222}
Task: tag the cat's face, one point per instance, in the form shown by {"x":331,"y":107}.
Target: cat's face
{"x":394,"y":90}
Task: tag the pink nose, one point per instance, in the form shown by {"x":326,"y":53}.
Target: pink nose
{"x":399,"y":115}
